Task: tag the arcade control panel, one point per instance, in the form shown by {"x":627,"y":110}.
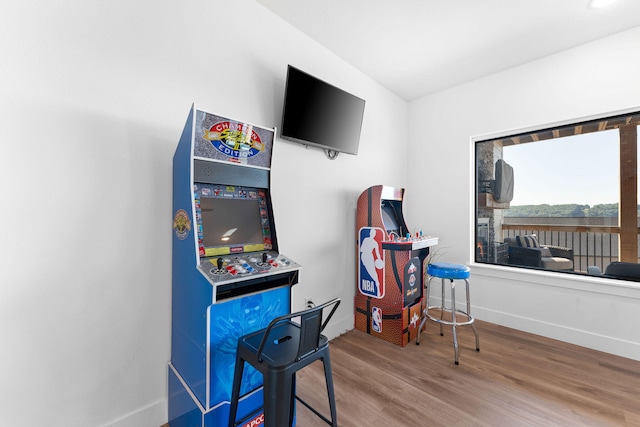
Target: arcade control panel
{"x":410,"y":242}
{"x":238,"y":274}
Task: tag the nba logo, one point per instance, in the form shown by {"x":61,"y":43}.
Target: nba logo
{"x":376,"y":319}
{"x":371,"y":264}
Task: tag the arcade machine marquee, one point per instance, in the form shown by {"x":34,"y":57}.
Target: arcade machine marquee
{"x":228,"y":277}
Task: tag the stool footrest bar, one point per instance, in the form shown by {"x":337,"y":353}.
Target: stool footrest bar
{"x":470,"y":320}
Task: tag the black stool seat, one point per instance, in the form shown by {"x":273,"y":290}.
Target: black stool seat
{"x":278,"y":352}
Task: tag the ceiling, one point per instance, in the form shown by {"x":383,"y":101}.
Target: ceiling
{"x":418,"y":47}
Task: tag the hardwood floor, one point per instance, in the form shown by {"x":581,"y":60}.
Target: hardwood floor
{"x":517,"y":379}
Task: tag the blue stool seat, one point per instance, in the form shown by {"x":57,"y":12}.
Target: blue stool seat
{"x":445,"y":270}
{"x":448,"y":273}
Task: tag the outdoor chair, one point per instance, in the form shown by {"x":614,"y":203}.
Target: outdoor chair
{"x":623,"y":270}
{"x":526,"y":251}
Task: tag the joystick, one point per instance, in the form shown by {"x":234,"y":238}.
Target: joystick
{"x":265,"y":261}
{"x":220,"y":270}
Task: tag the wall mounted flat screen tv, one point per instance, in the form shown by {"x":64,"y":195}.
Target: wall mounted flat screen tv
{"x":319,"y":114}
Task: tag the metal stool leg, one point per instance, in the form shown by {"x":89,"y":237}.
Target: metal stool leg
{"x":332,"y":398}
{"x":235,"y":392}
{"x":473,"y":325}
{"x":443,"y":306}
{"x":453,"y":319}
{"x":278,"y":395}
{"x":425,"y":311}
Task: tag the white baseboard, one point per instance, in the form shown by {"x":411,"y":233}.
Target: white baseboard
{"x":618,"y":347}
{"x":153,"y":415}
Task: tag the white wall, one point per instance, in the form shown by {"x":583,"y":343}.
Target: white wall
{"x":591,"y":80}
{"x":93,"y":98}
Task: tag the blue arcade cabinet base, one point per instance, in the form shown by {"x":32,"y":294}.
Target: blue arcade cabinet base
{"x":186,"y":411}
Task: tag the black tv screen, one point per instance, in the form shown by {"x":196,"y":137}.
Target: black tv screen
{"x":319,"y":114}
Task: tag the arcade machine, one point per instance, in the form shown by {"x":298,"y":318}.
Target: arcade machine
{"x":229,"y":278}
{"x":391,"y":267}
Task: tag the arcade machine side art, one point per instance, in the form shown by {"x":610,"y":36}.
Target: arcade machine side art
{"x":228,"y":278}
{"x":391,"y":267}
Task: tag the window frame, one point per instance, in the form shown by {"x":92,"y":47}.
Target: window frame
{"x":627,"y":216}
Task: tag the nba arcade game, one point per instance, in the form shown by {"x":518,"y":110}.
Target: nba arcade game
{"x":228,"y":278}
{"x":391,"y":267}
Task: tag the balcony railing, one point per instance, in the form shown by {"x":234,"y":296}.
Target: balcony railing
{"x":593,"y":245}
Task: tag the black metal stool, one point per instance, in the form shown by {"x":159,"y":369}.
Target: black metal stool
{"x":450,"y":272}
{"x":278,"y":352}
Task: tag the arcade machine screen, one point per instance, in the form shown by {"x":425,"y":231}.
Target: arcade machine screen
{"x":231,"y":220}
{"x":391,"y":211}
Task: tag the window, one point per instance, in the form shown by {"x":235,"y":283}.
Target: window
{"x":562,"y":199}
